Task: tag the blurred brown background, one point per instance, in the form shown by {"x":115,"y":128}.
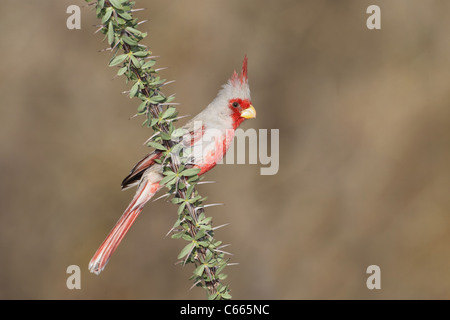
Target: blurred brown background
{"x":364,"y":121}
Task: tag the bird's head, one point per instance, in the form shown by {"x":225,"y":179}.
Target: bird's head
{"x":234,"y":100}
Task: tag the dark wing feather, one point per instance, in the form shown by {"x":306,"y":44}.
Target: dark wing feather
{"x":139,"y":169}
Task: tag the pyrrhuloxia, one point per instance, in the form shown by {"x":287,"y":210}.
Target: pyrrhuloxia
{"x":218,"y":121}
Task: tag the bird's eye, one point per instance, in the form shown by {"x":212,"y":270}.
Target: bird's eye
{"x":235,"y":104}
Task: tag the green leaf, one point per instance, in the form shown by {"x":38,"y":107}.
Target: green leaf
{"x":156,"y":145}
{"x":122,"y":71}
{"x":221,"y":288}
{"x":142,"y":107}
{"x":194,"y":199}
{"x":181,"y":185}
{"x":148,"y":64}
{"x":107,"y":15}
{"x":169,"y":99}
{"x":177,"y":200}
{"x":186,"y":250}
{"x":153,"y":122}
{"x":177,"y":223}
{"x":213,"y":296}
{"x":110,"y":33}
{"x":181,"y":208}
{"x":189,"y":191}
{"x":135,"y":61}
{"x":134,"y":31}
{"x":165,"y":136}
{"x":206,"y":220}
{"x":199,"y":270}
{"x":169,"y":112}
{"x":157,"y":99}
{"x":193,"y":179}
{"x":167,"y":180}
{"x":226,"y":295}
{"x":118,"y":59}
{"x":142,"y":53}
{"x":130,"y":41}
{"x":222,"y":276}
{"x":176,"y":148}
{"x":204,"y":244}
{"x":187,"y":237}
{"x":177,"y":235}
{"x":157,"y":81}
{"x":125,"y":15}
{"x":134,"y":89}
{"x":116,"y":4}
{"x":168,"y":172}
{"x":179,"y":132}
{"x":199,"y":235}
{"x":190,"y":172}
{"x":208,"y":256}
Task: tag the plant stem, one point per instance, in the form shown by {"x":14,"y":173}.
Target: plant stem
{"x":121,"y":31}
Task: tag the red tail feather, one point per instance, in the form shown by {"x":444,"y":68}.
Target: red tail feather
{"x":112,"y":241}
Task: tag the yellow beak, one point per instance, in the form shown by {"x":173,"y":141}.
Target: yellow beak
{"x":249,"y":113}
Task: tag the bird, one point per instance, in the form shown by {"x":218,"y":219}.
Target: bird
{"x":218,"y":122}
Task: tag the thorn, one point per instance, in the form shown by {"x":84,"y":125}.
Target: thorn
{"x":106,"y":49}
{"x":233,"y":264}
{"x":160,"y":69}
{"x":195,"y":284}
{"x":89,"y":4}
{"x":99,"y":29}
{"x":206,"y":182}
{"x":224,"y":246}
{"x":161,"y":197}
{"x":148,"y":140}
{"x":213,"y":205}
{"x":173,"y":229}
{"x":136,"y":10}
{"x":116,"y":46}
{"x":169,"y":104}
{"x":221,"y":226}
{"x":143,"y":21}
{"x":188,"y":255}
{"x":224,"y":252}
{"x":181,"y":117}
{"x":164,"y":161}
{"x":152,"y":57}
{"x":167,"y":83}
{"x":125,"y":92}
{"x":134,"y":116}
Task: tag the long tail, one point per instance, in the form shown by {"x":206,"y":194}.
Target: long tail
{"x":144,"y":193}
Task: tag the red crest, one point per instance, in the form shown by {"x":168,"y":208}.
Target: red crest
{"x":243,"y":77}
